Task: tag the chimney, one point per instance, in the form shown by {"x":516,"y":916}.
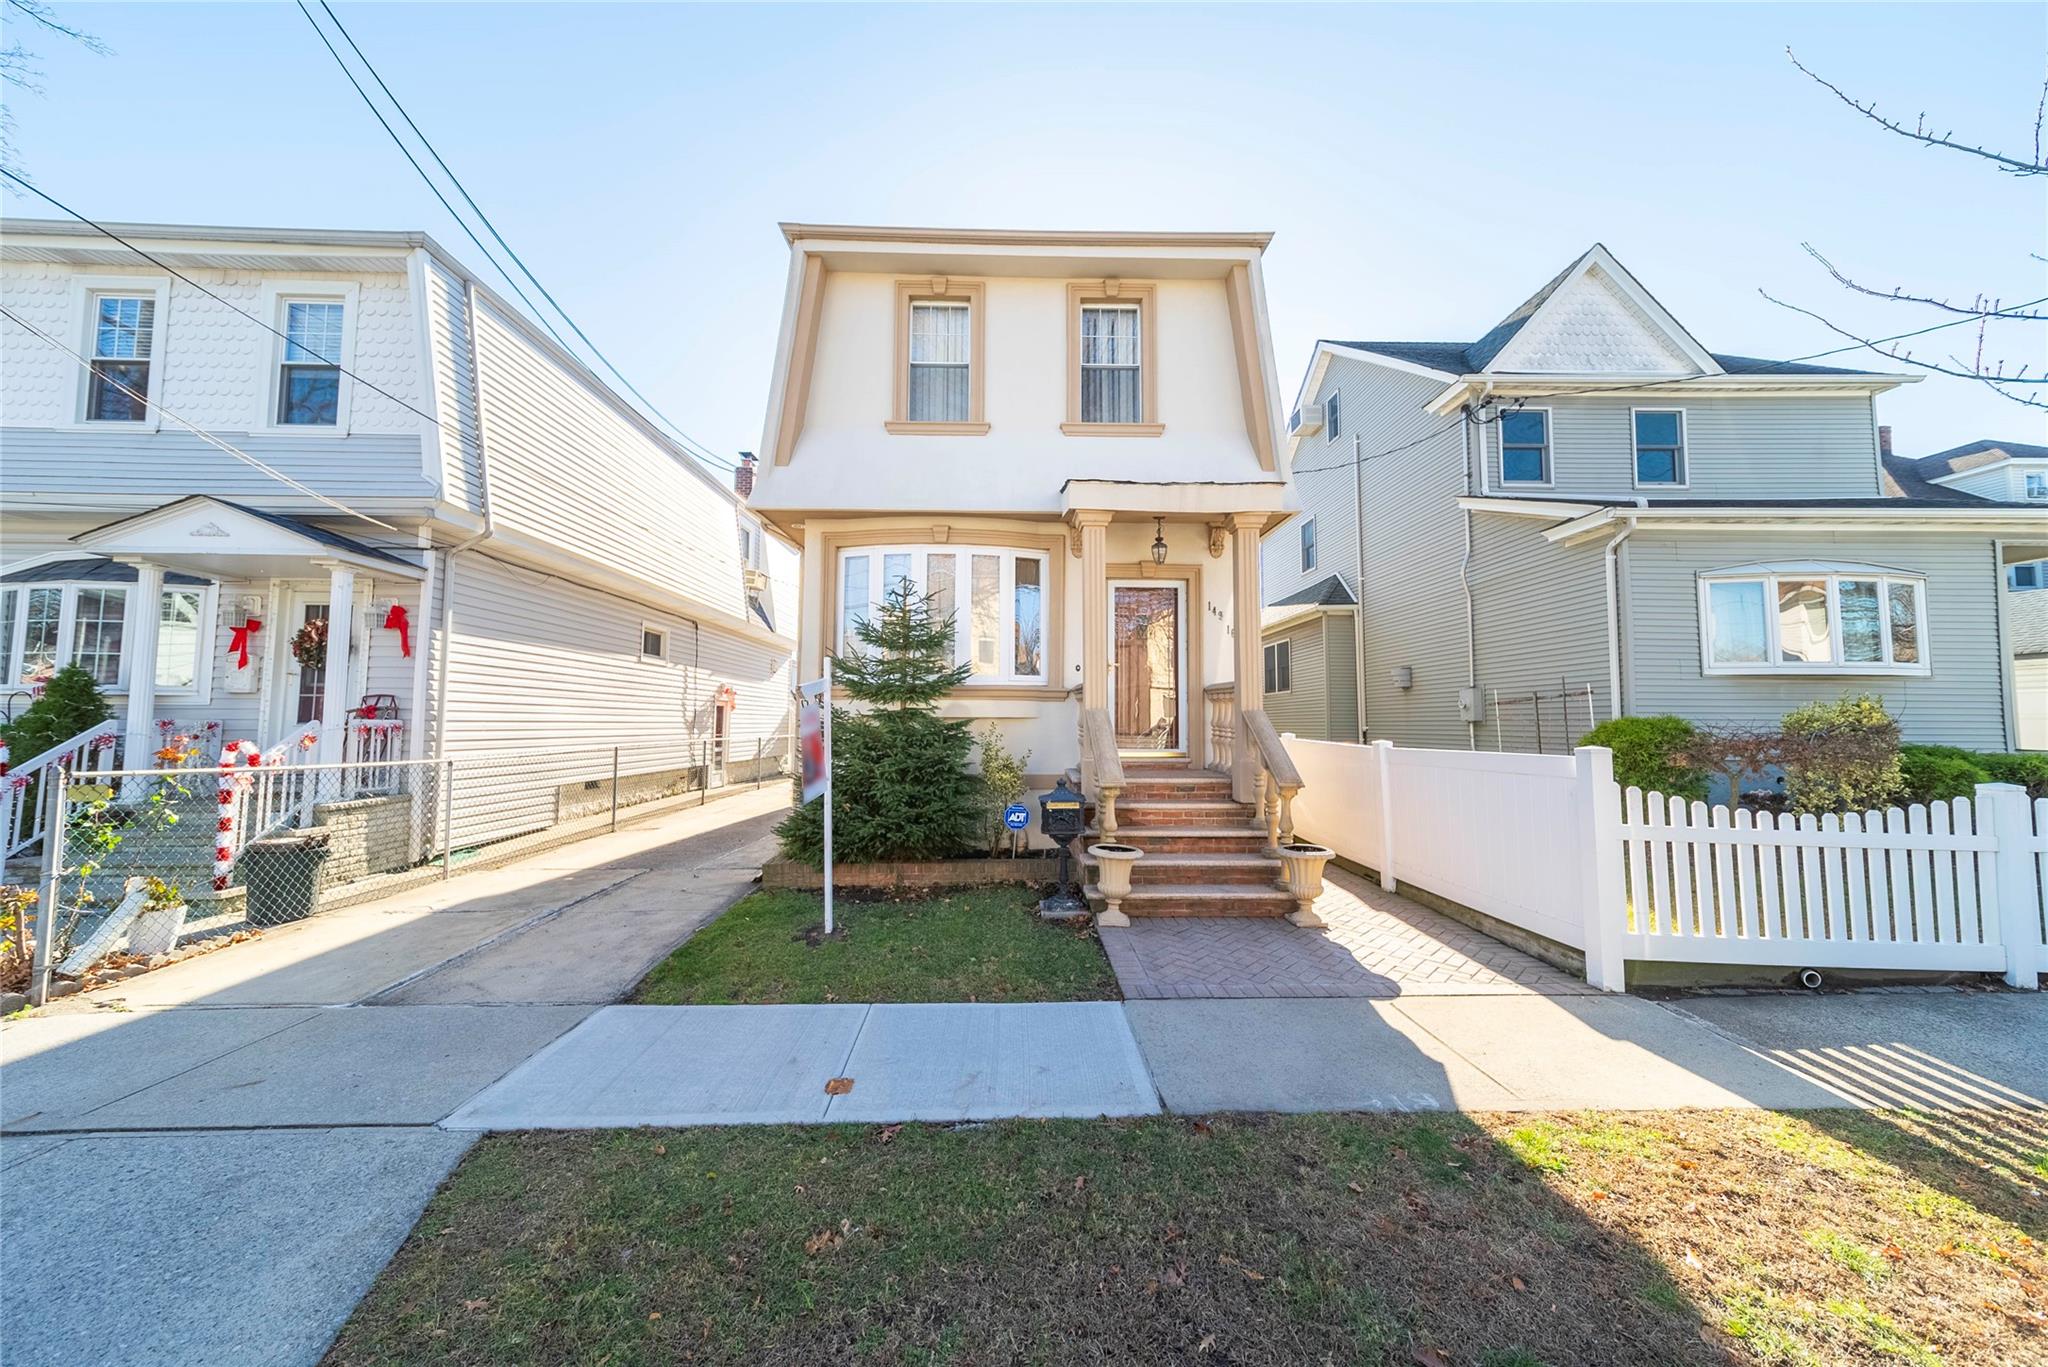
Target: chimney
{"x":743,"y":477}
{"x":1884,"y":441}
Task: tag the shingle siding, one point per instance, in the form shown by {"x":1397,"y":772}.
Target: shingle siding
{"x":1959,"y":703}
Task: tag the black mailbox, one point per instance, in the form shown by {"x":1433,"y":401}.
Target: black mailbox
{"x":1059,"y":813}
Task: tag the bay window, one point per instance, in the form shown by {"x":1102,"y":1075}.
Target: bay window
{"x":46,"y":625}
{"x":999,"y":630}
{"x":1813,"y":619}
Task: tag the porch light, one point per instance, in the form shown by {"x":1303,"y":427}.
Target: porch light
{"x":1159,"y":541}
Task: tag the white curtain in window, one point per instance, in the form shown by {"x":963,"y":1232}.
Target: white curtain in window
{"x":177,"y":641}
{"x":939,"y":362}
{"x":1110,"y":365}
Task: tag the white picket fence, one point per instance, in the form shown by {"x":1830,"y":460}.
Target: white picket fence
{"x":1551,"y":844}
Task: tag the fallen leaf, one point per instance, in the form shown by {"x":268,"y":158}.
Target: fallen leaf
{"x":838,"y":1086}
{"x":1431,"y":1357}
{"x":1692,"y":1260}
{"x":1208,"y":1342}
{"x":653,"y":1315}
{"x":445,"y":1229}
{"x":1895,"y":1253}
{"x":1518,"y":1283}
{"x":1254,"y":1276}
{"x":1201,"y":1127}
{"x":661,"y":1148}
{"x":888,"y":1133}
{"x":1687,"y":1164}
{"x":1080,"y":1182}
{"x":1177,"y":1275}
{"x":1173,"y":1232}
{"x":476,"y":1305}
{"x":823,"y":1241}
{"x":1357,"y":1188}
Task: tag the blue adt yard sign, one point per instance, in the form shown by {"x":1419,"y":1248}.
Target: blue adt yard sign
{"x":1016,"y":816}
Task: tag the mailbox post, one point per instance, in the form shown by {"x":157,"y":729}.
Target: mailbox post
{"x":1060,"y":819}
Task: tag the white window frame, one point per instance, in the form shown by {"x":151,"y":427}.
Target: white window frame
{"x":278,"y":293}
{"x":1333,"y":416}
{"x":1006,"y":676}
{"x":67,"y":631}
{"x":1635,"y":463}
{"x":911,"y":363}
{"x":2012,"y":575}
{"x":1309,"y":550}
{"x":1500,"y":446}
{"x":1279,"y":667}
{"x":1770,"y":575}
{"x":85,"y":293}
{"x":660,"y":633}
{"x":2034,"y":484}
{"x":1137,"y":368}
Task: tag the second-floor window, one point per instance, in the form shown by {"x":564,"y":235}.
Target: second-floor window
{"x":123,"y":346}
{"x":1525,"y":446}
{"x":2033,"y":574}
{"x":1112,"y":351}
{"x":1308,"y":544}
{"x":309,"y":377}
{"x":2037,"y":486}
{"x":940,"y":361}
{"x":1660,"y":447}
{"x":1333,"y":416}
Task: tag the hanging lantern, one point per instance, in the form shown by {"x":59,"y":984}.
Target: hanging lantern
{"x":1159,"y":541}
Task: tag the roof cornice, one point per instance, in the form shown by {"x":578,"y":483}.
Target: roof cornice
{"x":1016,"y":237}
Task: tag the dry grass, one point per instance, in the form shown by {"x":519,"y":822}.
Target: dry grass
{"x":1499,"y":1241}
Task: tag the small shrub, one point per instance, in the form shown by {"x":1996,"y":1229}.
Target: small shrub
{"x":1845,"y":756}
{"x":1644,"y":754}
{"x":1936,"y":773}
{"x":1002,"y":782}
{"x":2030,"y":771}
{"x":70,"y":703}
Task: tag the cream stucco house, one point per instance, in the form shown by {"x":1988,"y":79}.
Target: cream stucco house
{"x":1071,"y":440}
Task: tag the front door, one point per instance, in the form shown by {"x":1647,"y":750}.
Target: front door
{"x":304,"y":695}
{"x":1148,"y":651}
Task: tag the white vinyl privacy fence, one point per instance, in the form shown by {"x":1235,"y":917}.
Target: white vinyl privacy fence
{"x":1552,"y":845}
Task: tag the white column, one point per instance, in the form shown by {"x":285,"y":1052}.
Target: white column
{"x":145,"y":614}
{"x":1600,"y":871}
{"x":1249,"y":656}
{"x":335,"y":699}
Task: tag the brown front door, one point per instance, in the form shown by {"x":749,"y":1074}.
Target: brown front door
{"x":1146,"y":646}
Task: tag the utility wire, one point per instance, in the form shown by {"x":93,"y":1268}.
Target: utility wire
{"x":163,"y":265}
{"x":202,"y":433}
{"x":690,"y":443}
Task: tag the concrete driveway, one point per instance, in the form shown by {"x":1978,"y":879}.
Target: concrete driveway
{"x":210,"y":1163}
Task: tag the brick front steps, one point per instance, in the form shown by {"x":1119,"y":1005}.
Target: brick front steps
{"x":1204,"y":853}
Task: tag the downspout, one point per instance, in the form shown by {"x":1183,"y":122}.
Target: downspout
{"x":1610,"y":569}
{"x":483,"y":487}
{"x":1465,"y":572}
{"x":1358,"y":592}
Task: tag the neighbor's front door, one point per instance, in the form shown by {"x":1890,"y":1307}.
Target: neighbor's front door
{"x":1148,"y":650}
{"x":304,"y":694}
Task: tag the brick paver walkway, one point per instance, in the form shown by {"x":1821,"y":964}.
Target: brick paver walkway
{"x":1377,"y":945}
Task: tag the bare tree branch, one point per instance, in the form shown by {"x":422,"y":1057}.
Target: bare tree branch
{"x":42,"y":14}
{"x":1980,"y":308}
{"x":1922,"y":134}
{"x":18,"y":69}
{"x":1995,"y":378}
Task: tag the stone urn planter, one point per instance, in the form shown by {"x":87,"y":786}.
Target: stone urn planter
{"x":1113,"y":879}
{"x":157,"y":928}
{"x":1301,"y":877}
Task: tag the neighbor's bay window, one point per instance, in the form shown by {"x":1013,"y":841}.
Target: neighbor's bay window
{"x":123,"y":347}
{"x":994,"y":596}
{"x":46,"y":626}
{"x":1813,"y":619}
{"x":309,"y":376}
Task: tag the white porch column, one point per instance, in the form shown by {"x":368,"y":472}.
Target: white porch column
{"x":1249,"y":656}
{"x":145,"y":615}
{"x":1094,"y":608}
{"x":335,"y":700}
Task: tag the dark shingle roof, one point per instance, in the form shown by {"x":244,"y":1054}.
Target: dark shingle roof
{"x":317,"y":533}
{"x":1328,"y":592}
{"x":1465,"y":358}
{"x":1903,"y":479}
{"x":1973,"y":455}
{"x":1930,"y":504}
{"x":89,"y":570}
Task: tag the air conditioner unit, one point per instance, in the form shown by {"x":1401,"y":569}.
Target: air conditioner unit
{"x":756,"y":580}
{"x":1306,"y":420}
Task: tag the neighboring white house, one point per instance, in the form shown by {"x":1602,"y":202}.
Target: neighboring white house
{"x":1070,"y":440}
{"x":512,"y":560}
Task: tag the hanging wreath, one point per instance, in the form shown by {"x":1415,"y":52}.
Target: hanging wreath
{"x":309,"y":644}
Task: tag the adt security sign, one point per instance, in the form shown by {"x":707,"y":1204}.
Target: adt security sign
{"x":1016,"y":816}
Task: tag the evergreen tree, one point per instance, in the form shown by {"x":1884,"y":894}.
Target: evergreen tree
{"x":71,"y":703}
{"x":900,"y":783}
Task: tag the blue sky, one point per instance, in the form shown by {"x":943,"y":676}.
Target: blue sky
{"x":1424,"y":167}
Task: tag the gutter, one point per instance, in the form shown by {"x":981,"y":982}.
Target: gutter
{"x":1610,"y":569}
{"x":1465,"y":574}
{"x":1358,"y":589}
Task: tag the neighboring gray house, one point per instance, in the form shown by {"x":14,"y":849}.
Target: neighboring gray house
{"x":1311,"y":660}
{"x":1585,"y":514}
{"x":512,"y":559}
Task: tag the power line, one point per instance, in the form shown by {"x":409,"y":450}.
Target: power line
{"x":203,"y":434}
{"x":689,"y":442}
{"x":163,"y":265}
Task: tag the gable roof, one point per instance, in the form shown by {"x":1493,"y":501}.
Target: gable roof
{"x":1975,"y":455}
{"x":1462,"y":358}
{"x":1903,"y":479}
{"x":1327,"y":592}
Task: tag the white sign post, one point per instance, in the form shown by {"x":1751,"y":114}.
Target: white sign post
{"x":814,"y":745}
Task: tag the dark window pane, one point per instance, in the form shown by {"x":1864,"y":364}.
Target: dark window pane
{"x":1523,"y":464}
{"x":1525,"y":429}
{"x":108,"y":402}
{"x":1656,"y":467}
{"x":311,"y":396}
{"x":1656,"y":429}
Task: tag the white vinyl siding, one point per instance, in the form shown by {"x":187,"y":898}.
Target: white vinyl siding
{"x":1333,"y":416}
{"x":1308,"y":545}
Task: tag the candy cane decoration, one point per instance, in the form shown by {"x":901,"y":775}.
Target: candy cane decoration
{"x":233,"y":755}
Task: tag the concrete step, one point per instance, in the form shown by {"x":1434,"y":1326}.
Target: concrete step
{"x":1182,"y":869}
{"x":1200,"y":899}
{"x":1244,"y":839}
{"x":1183,"y":812}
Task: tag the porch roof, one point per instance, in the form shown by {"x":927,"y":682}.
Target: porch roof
{"x":88,"y":570}
{"x":219,"y":539}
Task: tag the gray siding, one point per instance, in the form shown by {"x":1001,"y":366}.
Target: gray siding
{"x":1540,"y":615}
{"x":1303,"y":708}
{"x":1736,"y":447}
{"x":448,"y":325}
{"x":1340,"y":671}
{"x":145,"y":468}
{"x":1960,"y":703}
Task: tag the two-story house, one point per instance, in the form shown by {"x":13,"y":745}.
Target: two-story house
{"x":1585,"y":514}
{"x":214,"y":437}
{"x":1070,"y":441}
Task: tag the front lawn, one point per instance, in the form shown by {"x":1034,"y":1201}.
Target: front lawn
{"x":979,"y":945}
{"x":1484,"y":1241}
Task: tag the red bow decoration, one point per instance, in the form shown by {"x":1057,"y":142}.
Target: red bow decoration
{"x":395,"y":620}
{"x":238,"y":644}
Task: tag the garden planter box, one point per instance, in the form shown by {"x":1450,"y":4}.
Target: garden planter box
{"x":923,"y":873}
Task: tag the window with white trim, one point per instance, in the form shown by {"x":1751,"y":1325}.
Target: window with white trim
{"x":1308,"y":544}
{"x":1660,"y":446}
{"x":1280,"y":667}
{"x":1813,"y":619}
{"x":2037,"y":486}
{"x":1333,"y":416}
{"x":1112,"y":364}
{"x":999,"y":621}
{"x":2032,"y":574}
{"x":309,"y":373}
{"x":941,"y":361}
{"x":44,"y":627}
{"x":1525,"y":446}
{"x":653,"y":643}
{"x":123,"y":348}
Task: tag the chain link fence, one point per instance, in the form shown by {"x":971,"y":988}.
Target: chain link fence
{"x":136,"y":865}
